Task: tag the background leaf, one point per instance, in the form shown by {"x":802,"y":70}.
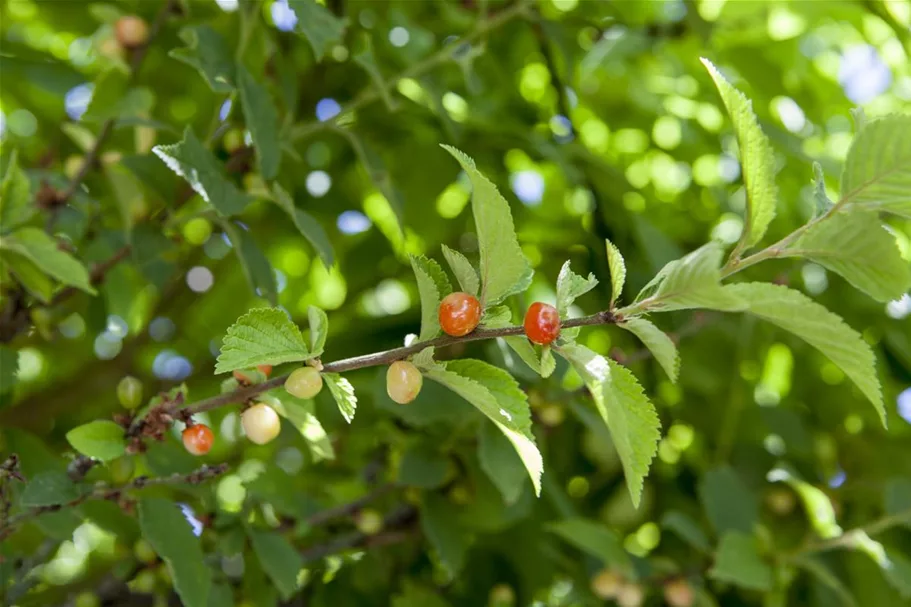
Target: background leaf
{"x":738,"y":561}
{"x":44,"y":252}
{"x":279,"y":560}
{"x":877,"y":170}
{"x":261,"y":118}
{"x":100,"y":439}
{"x":167,"y":530}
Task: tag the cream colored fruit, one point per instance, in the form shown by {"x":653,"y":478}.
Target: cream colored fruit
{"x":131,"y":31}
{"x":305,"y":382}
{"x":678,"y":593}
{"x":403,"y":382}
{"x":630,"y":595}
{"x":261,"y":423}
{"x":606,"y":584}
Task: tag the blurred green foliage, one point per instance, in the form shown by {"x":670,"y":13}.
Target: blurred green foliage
{"x":597,"y":121}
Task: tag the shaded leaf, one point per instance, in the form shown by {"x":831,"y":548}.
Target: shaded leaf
{"x":169,"y":532}
{"x":687,"y":529}
{"x":45,"y":253}
{"x":205,"y":174}
{"x":570,"y":286}
{"x":306,"y":224}
{"x":465,"y":273}
{"x":433,"y":286}
{"x":101,"y":439}
{"x":9,"y":368}
{"x":279,"y":560}
{"x":261,"y":119}
{"x":500,"y":462}
{"x":254,"y":263}
{"x":15,"y":196}
{"x":320,"y":27}
{"x":738,"y":562}
{"x":658,"y":343}
{"x":595,"y":539}
{"x":877,"y":171}
{"x":504,"y":268}
{"x":439,"y":522}
{"x":825,"y":331}
{"x":209,"y":54}
{"x":497,"y":395}
{"x":728,"y":502}
{"x":343,"y":393}
{"x":48,"y":489}
{"x":858,"y":247}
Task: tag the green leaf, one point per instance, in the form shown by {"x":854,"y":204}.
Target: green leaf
{"x":500,"y":462}
{"x":433,"y":286}
{"x":898,"y":498}
{"x":306,"y":224}
{"x":261,"y":119}
{"x":15,"y":196}
{"x":48,"y":489}
{"x":389,"y":223}
{"x":205,"y":174}
{"x":728,"y":502}
{"x":29,"y":274}
{"x":497,"y":395}
{"x":896,"y":568}
{"x":300,"y":413}
{"x":504,"y":268}
{"x":9,"y":367}
{"x":343,"y":393}
{"x":424,"y":467}
{"x":687,"y":529}
{"x":858,"y":247}
{"x":877,"y":172}
{"x":498,"y":317}
{"x":827,"y":578}
{"x":658,"y":343}
{"x":464,"y":272}
{"x":694,"y":281}
{"x":44,"y":252}
{"x":367,"y":60}
{"x":128,"y":193}
{"x":279,"y":560}
{"x":320,"y":27}
{"x":595,"y":539}
{"x":100,"y":439}
{"x":439,"y":522}
{"x":253,"y":262}
{"x":738,"y":562}
{"x":816,"y":503}
{"x":617,"y":268}
{"x":262,"y":336}
{"x":171,"y":536}
{"x":570,"y":286}
{"x":209,"y":54}
{"x":629,"y":415}
{"x":548,"y":362}
{"x":825,"y":331}
{"x":108,"y":92}
{"x":756,"y":158}
{"x":319,"y":330}
{"x":414,"y":595}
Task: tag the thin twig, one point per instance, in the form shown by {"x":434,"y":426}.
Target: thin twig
{"x":114,"y":492}
{"x":384,"y":358}
{"x":397,"y":526}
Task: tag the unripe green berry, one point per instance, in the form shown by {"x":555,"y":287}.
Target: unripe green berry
{"x":233,"y":140}
{"x":197,"y":231}
{"x":72,"y":165}
{"x":369,"y":521}
{"x":144,"y":582}
{"x":403,"y":382}
{"x":552,"y":415}
{"x":502,"y":595}
{"x":122,"y":469}
{"x":86,"y":599}
{"x":144,"y":552}
{"x":305,"y":382}
{"x":261,"y":423}
{"x":129,"y":392}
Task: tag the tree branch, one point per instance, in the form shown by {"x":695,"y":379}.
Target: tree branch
{"x":104,"y":491}
{"x":387,"y":357}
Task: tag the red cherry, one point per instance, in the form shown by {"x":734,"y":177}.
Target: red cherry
{"x":198,"y":439}
{"x":542,"y":323}
{"x":460,"y":313}
{"x":265,"y":369}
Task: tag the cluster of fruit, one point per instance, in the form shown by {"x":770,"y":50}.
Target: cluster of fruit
{"x":608,"y":584}
{"x":459,"y":315}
